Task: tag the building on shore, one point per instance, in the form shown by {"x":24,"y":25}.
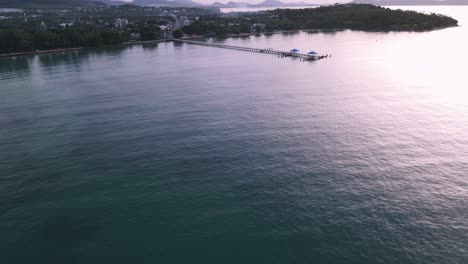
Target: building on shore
{"x":121,"y":22}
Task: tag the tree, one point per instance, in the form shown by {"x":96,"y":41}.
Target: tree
{"x":244,"y":28}
{"x":148,"y":35}
{"x":44,"y":40}
{"x":177,"y":33}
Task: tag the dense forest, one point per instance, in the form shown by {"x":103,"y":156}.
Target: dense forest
{"x":216,"y":25}
{"x":19,"y":36}
{"x":351,"y":16}
{"x":19,"y":40}
{"x":34,"y":29}
{"x":356,"y":16}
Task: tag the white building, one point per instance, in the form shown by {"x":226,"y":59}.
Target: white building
{"x":121,"y":22}
{"x":64,"y":25}
{"x":185,"y":21}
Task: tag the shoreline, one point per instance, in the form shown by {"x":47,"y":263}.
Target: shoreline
{"x":264,"y":33}
{"x":284,"y":32}
{"x":28,"y":53}
{"x":33,"y":53}
{"x":131,"y":43}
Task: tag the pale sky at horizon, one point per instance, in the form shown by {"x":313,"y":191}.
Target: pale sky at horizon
{"x":258,"y":1}
{"x":319,"y":2}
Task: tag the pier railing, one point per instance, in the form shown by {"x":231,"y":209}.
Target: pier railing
{"x":302,"y":56}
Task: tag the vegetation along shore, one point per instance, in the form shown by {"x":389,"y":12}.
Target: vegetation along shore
{"x":44,"y":31}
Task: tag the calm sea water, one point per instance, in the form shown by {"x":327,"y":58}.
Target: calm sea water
{"x":186,"y":154}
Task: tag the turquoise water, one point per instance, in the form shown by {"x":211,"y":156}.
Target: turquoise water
{"x":186,"y":154}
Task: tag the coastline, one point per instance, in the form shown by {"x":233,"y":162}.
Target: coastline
{"x":131,"y":43}
{"x":28,"y":53}
{"x":32,"y":53}
{"x":284,"y":32}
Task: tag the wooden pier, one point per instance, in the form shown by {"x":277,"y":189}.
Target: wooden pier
{"x":303,"y":57}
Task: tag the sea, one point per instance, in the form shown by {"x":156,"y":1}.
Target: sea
{"x":178,"y":153}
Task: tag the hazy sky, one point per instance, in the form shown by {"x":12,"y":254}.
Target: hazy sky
{"x":258,"y":1}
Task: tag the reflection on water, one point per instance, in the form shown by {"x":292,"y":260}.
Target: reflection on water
{"x":291,"y":33}
{"x":21,"y":63}
{"x":149,"y":47}
{"x":329,"y":31}
{"x":144,"y":152}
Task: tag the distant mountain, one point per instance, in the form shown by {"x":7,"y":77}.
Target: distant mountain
{"x":411,"y":2}
{"x":266,"y":3}
{"x":270,"y":3}
{"x":114,"y":2}
{"x":230,"y":4}
{"x":174,"y":3}
{"x":217,"y":4}
{"x":49,"y":3}
{"x":170,"y":3}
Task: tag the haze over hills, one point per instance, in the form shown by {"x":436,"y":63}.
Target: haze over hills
{"x":411,"y":2}
{"x":90,"y":3}
{"x":114,"y":2}
{"x":170,"y":3}
{"x":164,"y":3}
{"x":49,"y":3}
{"x":274,"y":3}
{"x":266,"y":3}
{"x":190,"y":3}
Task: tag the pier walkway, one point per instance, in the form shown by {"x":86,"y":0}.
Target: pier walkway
{"x":302,"y":56}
